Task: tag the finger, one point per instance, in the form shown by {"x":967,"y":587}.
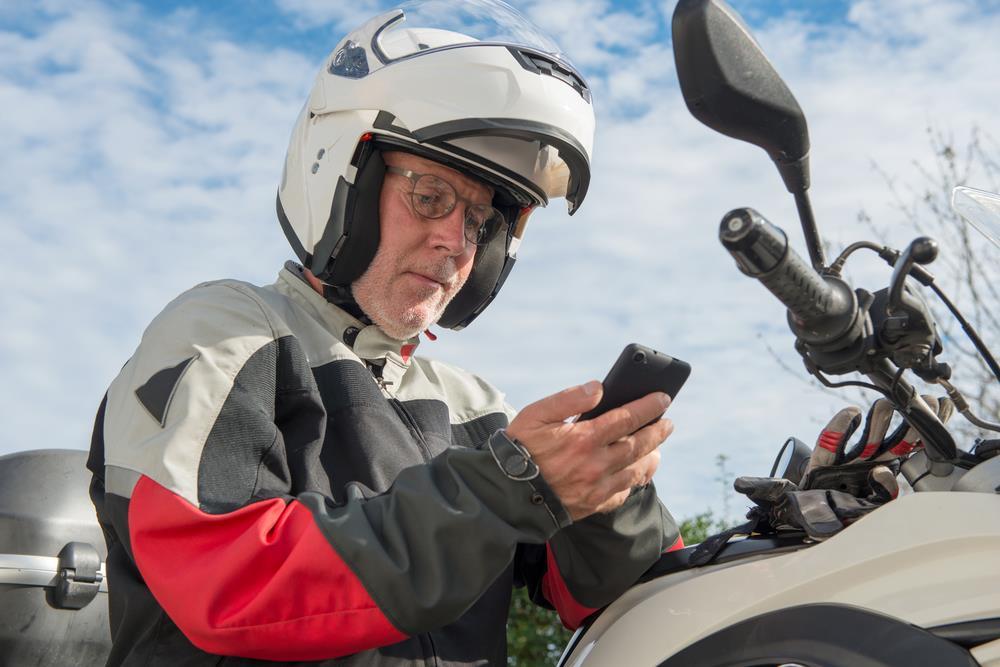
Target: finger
{"x":832,"y":439}
{"x":617,"y":488}
{"x":631,"y":448}
{"x":875,"y":429}
{"x":911,"y":439}
{"x":764,"y":489}
{"x":635,"y":474}
{"x":613,"y":503}
{"x":883,"y":483}
{"x":565,"y":404}
{"x":946,"y":408}
{"x":891,"y":441}
{"x":629,"y":418}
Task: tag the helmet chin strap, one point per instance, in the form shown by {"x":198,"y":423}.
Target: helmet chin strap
{"x":342,"y":297}
{"x":338,"y":295}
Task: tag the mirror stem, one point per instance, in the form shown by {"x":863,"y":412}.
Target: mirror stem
{"x":813,"y":242}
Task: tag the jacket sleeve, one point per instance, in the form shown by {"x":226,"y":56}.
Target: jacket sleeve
{"x":248,"y":555}
{"x":587,"y":565}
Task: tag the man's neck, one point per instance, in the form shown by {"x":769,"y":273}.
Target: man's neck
{"x":343,"y":301}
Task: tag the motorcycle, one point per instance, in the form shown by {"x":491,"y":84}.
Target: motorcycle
{"x":917,"y":580}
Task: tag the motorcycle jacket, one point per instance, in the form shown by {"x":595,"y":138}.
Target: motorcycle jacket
{"x":278,"y":481}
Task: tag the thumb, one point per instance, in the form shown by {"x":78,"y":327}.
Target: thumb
{"x":567,"y":403}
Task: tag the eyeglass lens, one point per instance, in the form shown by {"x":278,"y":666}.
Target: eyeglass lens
{"x":435,"y":197}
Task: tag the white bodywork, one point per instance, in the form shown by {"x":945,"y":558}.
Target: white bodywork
{"x":929,"y":559}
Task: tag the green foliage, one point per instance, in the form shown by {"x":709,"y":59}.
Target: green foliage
{"x":536,"y":636}
{"x":698,"y":527}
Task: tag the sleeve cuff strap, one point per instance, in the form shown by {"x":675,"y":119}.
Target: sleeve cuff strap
{"x":515,"y":462}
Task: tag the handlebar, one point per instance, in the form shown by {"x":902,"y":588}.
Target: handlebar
{"x":823,"y":310}
{"x":824,"y":313}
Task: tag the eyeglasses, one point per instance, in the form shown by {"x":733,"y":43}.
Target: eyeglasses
{"x":433,"y":197}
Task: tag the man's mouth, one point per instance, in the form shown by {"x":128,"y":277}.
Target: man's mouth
{"x":430,"y":279}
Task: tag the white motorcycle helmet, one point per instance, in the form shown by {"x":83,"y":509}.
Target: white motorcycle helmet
{"x":470,"y":84}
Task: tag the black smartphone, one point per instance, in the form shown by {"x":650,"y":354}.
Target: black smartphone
{"x":640,"y":370}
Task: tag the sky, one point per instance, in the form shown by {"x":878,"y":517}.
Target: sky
{"x":143,"y":142}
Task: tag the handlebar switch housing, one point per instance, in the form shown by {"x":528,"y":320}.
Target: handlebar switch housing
{"x":909,"y":335}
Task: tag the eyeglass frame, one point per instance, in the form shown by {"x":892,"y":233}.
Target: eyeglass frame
{"x":414,"y":177}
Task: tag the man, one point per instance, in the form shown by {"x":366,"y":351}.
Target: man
{"x":279,"y":478}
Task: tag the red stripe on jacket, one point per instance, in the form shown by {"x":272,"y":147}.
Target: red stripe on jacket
{"x":259,"y":582}
{"x":555,"y":590}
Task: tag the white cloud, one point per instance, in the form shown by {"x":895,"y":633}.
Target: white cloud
{"x":144,"y":158}
{"x":594,"y":33}
{"x":343,"y":16}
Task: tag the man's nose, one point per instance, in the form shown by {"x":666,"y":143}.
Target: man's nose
{"x":448,"y":232}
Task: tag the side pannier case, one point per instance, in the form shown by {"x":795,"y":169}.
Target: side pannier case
{"x":53,"y":593}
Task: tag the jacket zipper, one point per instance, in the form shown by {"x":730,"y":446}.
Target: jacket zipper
{"x":425,"y":451}
{"x":414,"y":429}
{"x":404,"y":414}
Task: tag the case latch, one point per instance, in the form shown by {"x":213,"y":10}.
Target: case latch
{"x":78,"y":579}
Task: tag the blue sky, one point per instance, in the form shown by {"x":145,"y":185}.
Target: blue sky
{"x":143,"y":143}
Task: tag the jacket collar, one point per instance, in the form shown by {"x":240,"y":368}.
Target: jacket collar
{"x":367,"y":341}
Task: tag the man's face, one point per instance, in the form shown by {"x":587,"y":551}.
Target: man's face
{"x":421,"y":263}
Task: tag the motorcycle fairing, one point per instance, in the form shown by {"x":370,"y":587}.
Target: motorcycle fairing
{"x":831,"y":635}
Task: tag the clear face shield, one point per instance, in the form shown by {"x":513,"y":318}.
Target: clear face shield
{"x":422,"y":26}
{"x":537,"y":144}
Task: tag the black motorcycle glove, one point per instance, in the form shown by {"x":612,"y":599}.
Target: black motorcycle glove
{"x":830,"y":498}
{"x":839,"y":485}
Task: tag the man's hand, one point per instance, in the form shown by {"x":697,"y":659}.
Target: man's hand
{"x":593,"y":465}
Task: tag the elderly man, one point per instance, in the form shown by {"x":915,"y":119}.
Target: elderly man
{"x":277,"y":474}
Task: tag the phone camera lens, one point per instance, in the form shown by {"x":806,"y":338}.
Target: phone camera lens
{"x":639,"y":357}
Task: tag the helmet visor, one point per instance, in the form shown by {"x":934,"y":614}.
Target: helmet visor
{"x":422,"y":26}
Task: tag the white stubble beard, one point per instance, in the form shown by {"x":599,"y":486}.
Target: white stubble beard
{"x":374,"y":284}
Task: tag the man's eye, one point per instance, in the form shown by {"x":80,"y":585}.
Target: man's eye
{"x":426,"y":198}
{"x":474,"y":221}
{"x":433,"y":203}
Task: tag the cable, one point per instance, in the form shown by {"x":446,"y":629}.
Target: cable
{"x":925,"y":278}
{"x":970,"y":332}
{"x":981,"y":423}
{"x":838,"y":264}
{"x":963,"y":406}
{"x":850,"y":383}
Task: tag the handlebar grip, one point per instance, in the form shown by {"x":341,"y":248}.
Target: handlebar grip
{"x":823,"y":310}
{"x":761,"y":251}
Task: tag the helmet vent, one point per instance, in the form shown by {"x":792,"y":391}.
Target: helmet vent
{"x":540,"y":64}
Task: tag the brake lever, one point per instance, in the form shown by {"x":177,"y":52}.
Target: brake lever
{"x":922,"y":250}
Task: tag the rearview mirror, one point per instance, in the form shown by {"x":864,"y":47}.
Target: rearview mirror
{"x":792,"y":461}
{"x":730,"y":86}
